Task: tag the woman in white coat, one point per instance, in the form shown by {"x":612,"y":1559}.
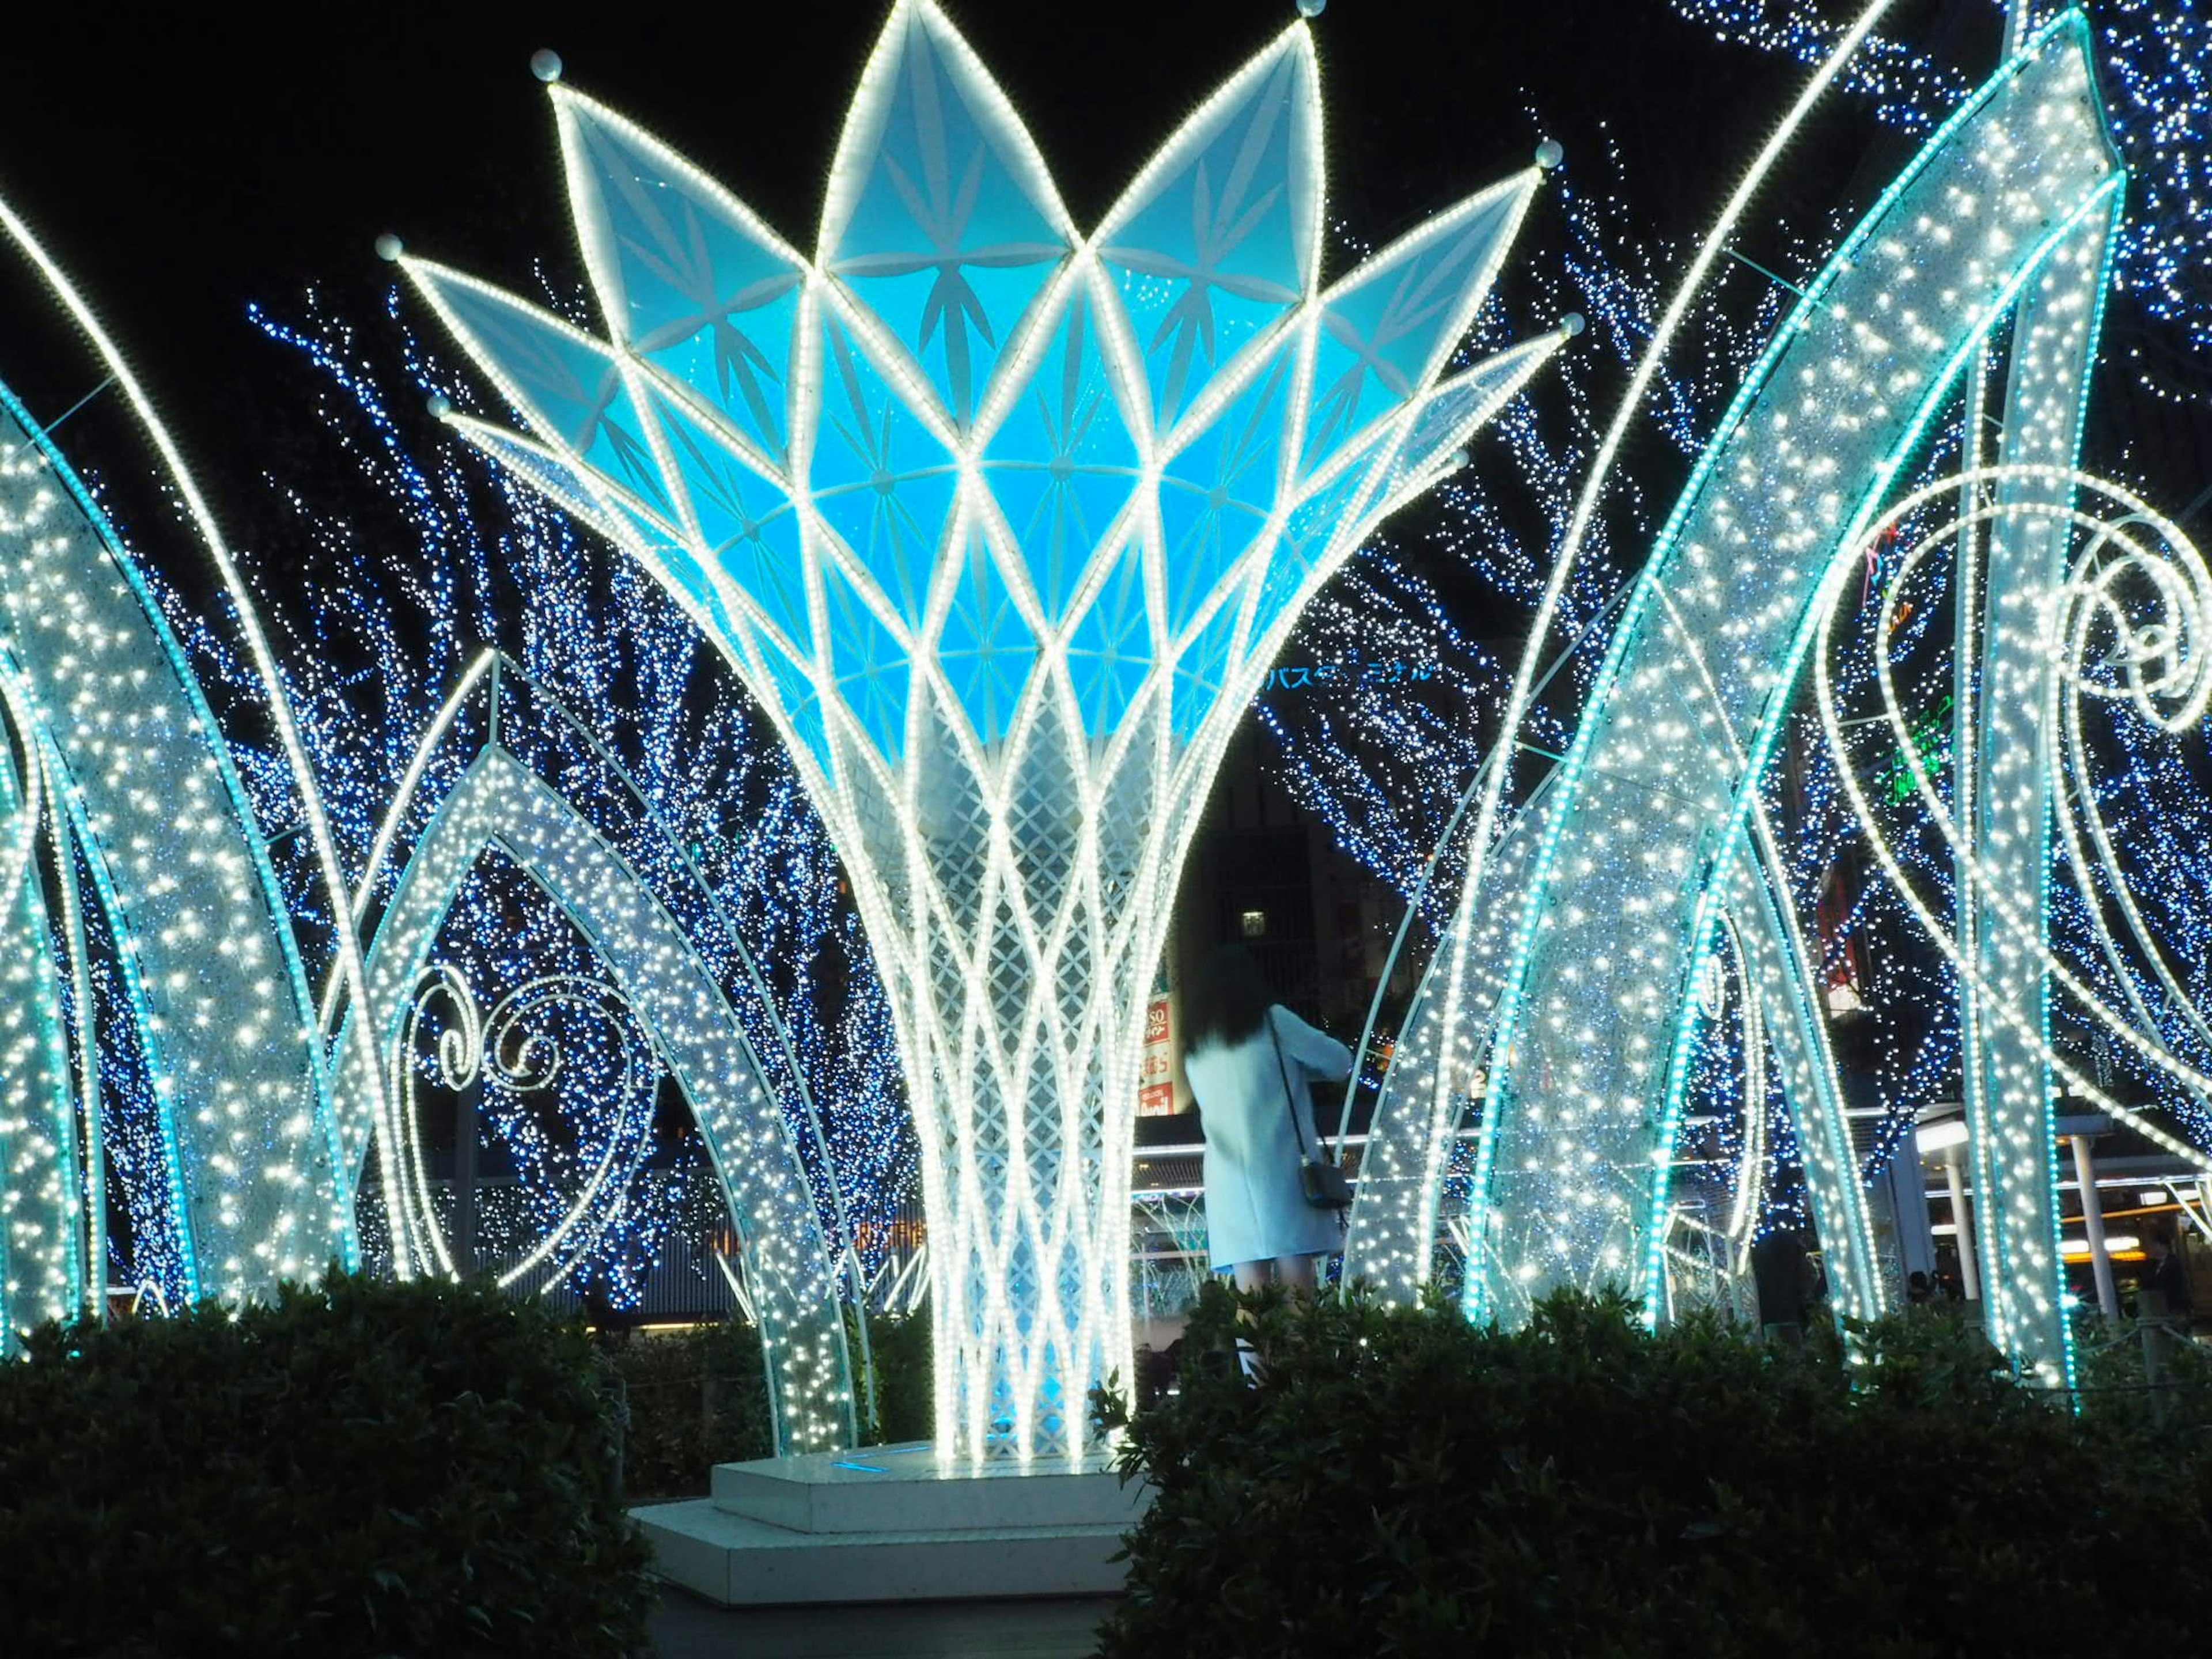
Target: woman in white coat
{"x":1250,"y":1063}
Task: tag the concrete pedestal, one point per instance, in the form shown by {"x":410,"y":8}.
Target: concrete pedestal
{"x":889,"y":1524}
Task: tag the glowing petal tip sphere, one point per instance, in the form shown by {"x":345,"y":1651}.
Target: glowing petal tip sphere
{"x":1002,"y":523}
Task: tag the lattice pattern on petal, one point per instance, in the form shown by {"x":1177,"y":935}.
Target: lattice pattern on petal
{"x":687,"y":277}
{"x":882,"y":479}
{"x":1216,"y":494}
{"x":1386,"y":329}
{"x":1216,"y":241}
{"x":746,"y":525}
{"x":795,"y":696}
{"x":1201,"y":669}
{"x":1060,"y":461}
{"x":569,"y":385}
{"x":1307,"y":536}
{"x":1110,"y":651}
{"x":866,"y":663}
{"x":987,"y":648}
{"x":941,"y":220}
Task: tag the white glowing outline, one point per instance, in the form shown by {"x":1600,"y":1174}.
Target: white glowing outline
{"x":498,"y":802}
{"x":928,"y":897}
{"x":1455,"y":956}
{"x":1390,"y":1252}
{"x":240,"y":595}
{"x":2196,"y":1082}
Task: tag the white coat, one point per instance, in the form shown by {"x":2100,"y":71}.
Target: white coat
{"x":1255,"y":1205}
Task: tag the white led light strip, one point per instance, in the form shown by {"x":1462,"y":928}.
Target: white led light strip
{"x":1584,"y":1082}
{"x":1402,"y":1172}
{"x":500,"y":805}
{"x":1004,"y":590}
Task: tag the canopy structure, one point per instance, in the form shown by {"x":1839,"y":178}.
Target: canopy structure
{"x":1002,"y":523}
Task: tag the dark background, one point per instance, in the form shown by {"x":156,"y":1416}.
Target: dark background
{"x":183,"y":166}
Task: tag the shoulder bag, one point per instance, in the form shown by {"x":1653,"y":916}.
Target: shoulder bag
{"x":1326,"y":1188}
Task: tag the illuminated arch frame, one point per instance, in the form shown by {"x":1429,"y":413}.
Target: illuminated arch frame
{"x":500,"y":803}
{"x":2084,"y":223}
{"x":244,"y":1212}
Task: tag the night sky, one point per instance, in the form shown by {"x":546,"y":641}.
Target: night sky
{"x":184,"y":167}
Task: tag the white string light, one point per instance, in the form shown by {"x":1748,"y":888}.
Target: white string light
{"x":1586,"y":1056}
{"x":1003,"y":565}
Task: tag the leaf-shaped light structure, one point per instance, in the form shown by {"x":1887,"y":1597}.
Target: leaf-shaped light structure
{"x":1563,"y":984}
{"x":1002,"y":524}
{"x":745,"y":1111}
{"x":143,"y":789}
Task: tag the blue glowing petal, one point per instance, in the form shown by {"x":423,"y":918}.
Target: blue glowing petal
{"x":1447,"y":418}
{"x":1199,"y":671}
{"x":795,"y":694}
{"x":986,"y":649}
{"x":746,"y":523}
{"x":1216,"y":241}
{"x":1387,"y":328}
{"x":1061,"y":464}
{"x":1110,"y":651}
{"x":1308,"y":534}
{"x":942,"y":221}
{"x":1216,"y":494}
{"x":868,"y":665}
{"x":570,"y":387}
{"x":689,"y":279}
{"x":881,"y":479}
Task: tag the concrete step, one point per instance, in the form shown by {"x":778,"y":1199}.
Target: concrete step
{"x":734,"y":1560}
{"x":903,"y":1488}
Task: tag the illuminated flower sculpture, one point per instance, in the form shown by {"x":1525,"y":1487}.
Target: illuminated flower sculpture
{"x":1003,"y":525}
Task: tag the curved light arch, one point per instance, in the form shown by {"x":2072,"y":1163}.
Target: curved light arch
{"x":227,"y":1280}
{"x":1403,"y":1168}
{"x":490,"y":674}
{"x":1571,"y":1155}
{"x":139,"y":780}
{"x":500,"y":803}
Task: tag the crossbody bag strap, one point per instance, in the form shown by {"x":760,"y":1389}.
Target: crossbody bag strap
{"x":1290,"y":1100}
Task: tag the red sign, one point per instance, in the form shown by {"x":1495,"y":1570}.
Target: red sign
{"x":1156,"y":1069}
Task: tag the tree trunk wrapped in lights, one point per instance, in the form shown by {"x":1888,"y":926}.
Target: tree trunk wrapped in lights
{"x":1002,"y":526}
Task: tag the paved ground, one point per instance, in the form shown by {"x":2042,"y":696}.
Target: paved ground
{"x":686,"y":1627}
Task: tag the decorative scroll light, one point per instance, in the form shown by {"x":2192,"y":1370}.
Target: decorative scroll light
{"x":476,"y":1045}
{"x":1568,"y":976}
{"x":2125,"y":621}
{"x":1003,"y":525}
{"x":678,"y":1016}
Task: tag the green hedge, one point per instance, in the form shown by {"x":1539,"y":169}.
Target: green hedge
{"x":694,"y":1399}
{"x":699,"y":1397}
{"x":1401,"y":1482}
{"x":355,"y":1468}
{"x":905,"y":1382}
